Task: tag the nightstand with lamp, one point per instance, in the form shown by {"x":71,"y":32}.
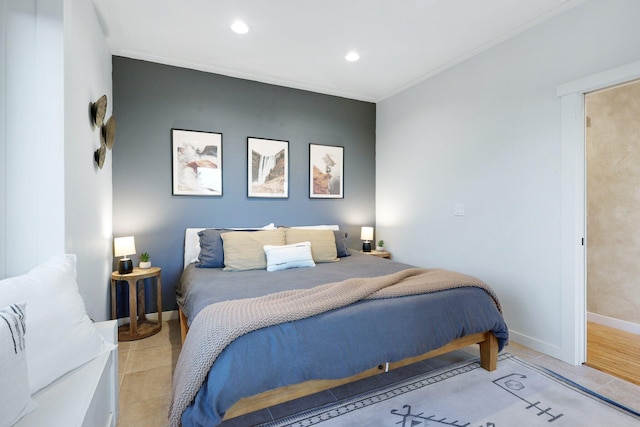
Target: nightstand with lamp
{"x":366,"y":234}
{"x":139,"y":326}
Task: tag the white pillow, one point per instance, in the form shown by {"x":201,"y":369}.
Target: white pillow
{"x":288,"y":256}
{"x":318,"y":227}
{"x":14,"y":383}
{"x":60,"y":335}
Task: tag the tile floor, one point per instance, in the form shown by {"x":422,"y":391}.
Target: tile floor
{"x":146,"y":367}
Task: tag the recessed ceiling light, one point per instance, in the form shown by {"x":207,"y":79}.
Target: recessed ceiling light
{"x":352,"y":56}
{"x":240,"y":27}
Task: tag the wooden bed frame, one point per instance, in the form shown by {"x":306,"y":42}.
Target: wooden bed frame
{"x":488,"y":360}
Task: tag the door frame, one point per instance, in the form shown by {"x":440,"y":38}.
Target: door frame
{"x":573,"y":216}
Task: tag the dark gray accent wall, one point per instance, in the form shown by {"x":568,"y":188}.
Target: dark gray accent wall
{"x":150,"y":99}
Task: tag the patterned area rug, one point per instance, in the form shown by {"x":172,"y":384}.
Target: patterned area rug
{"x":465,"y":395}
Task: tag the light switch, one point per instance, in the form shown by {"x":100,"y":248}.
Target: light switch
{"x":458,"y":209}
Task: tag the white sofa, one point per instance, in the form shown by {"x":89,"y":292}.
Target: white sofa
{"x":86,"y":396}
{"x":57,"y":367}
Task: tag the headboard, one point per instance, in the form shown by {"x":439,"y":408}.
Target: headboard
{"x":191,"y":245}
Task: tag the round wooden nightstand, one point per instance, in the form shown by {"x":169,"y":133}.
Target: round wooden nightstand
{"x":379,"y":254}
{"x":139,"y":326}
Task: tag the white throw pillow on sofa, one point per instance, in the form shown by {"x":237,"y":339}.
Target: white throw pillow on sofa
{"x":60,"y":336}
{"x":14,"y":383}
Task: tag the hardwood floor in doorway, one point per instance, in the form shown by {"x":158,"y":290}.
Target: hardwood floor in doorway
{"x":613,"y":351}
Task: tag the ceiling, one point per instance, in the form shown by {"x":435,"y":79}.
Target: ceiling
{"x":303,"y":43}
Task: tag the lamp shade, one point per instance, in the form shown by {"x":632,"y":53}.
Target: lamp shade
{"x":123,"y":246}
{"x":366,"y":233}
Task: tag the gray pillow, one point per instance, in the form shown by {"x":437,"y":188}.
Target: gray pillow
{"x":341,"y":243}
{"x":211,"y":250}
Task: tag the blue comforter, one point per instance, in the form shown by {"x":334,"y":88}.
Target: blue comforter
{"x":335,"y":344}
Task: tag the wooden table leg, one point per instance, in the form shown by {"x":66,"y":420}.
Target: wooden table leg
{"x":114,"y":303}
{"x":133,"y":306}
{"x":159,"y":290}
{"x":142,"y":315}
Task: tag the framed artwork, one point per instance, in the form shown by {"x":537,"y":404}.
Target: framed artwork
{"x":267,"y":168}
{"x":326,"y":172}
{"x":197,"y":163}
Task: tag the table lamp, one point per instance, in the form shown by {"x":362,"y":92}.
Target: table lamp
{"x":366,"y":234}
{"x":124,"y":246}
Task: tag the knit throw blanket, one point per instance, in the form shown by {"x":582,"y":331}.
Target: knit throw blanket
{"x":217,"y":325}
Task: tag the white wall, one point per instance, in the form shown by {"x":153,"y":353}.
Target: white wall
{"x":88,"y":190}
{"x":487,"y":134}
{"x":33,"y":165}
{"x":3,"y":139}
{"x":55,"y":62}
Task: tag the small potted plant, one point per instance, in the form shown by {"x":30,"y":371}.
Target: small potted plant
{"x":380,"y":246}
{"x":144,"y":260}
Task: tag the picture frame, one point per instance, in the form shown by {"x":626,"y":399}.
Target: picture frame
{"x":326,"y":171}
{"x":196,"y":162}
{"x":267,"y":168}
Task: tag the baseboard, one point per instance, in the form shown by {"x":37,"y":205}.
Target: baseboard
{"x":623,"y":325}
{"x":166,"y":315}
{"x":537,"y":345}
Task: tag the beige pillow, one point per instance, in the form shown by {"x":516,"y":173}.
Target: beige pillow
{"x":243,"y":250}
{"x":323,"y":242}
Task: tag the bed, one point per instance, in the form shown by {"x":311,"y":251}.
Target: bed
{"x":273,"y":362}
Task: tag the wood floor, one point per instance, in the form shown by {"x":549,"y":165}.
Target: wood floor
{"x":614,"y":351}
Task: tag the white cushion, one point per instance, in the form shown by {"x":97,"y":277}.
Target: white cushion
{"x":14,"y":383}
{"x":60,"y":335}
{"x":288,"y":256}
{"x":318,"y":227}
